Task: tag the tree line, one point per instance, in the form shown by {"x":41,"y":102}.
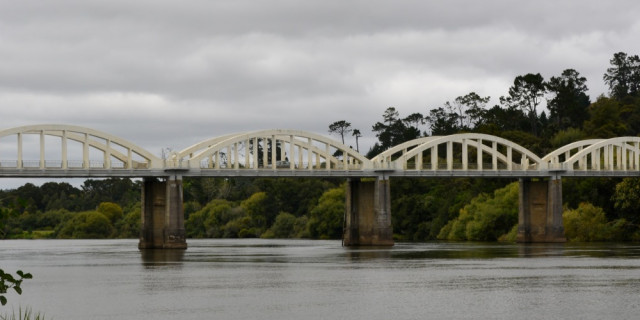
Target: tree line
{"x":214,"y":207}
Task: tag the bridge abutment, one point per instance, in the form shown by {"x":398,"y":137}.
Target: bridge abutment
{"x":162,"y":214}
{"x":540,"y":211}
{"x":368,"y":213}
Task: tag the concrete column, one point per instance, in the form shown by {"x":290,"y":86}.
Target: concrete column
{"x":368,"y":213}
{"x":174,"y":233}
{"x":162,"y":215}
{"x":540,"y":211}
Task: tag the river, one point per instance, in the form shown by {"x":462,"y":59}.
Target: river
{"x":303,"y":279}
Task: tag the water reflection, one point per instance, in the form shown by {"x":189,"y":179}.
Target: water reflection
{"x":152,"y":258}
{"x":367,"y":253}
{"x":528,"y":250}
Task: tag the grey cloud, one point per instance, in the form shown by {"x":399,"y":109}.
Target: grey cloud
{"x":169,"y":74}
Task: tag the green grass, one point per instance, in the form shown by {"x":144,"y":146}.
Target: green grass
{"x":26,"y":314}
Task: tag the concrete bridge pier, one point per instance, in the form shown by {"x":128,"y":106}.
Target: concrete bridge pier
{"x":368,"y":213}
{"x":162,"y":214}
{"x":540,"y":212}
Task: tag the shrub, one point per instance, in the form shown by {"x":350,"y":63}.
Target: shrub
{"x":486,"y":218}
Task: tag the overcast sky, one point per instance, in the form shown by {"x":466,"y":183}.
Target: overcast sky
{"x":172,"y":73}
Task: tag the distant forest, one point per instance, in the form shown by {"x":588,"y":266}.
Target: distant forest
{"x":595,"y":209}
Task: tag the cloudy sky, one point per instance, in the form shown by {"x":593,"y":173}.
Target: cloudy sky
{"x":167,"y":74}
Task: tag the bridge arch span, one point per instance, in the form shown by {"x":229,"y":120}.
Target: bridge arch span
{"x":616,"y":154}
{"x":114,"y":152}
{"x":387,"y":156}
{"x":469,"y":151}
{"x":555,"y":158}
{"x":294,"y":150}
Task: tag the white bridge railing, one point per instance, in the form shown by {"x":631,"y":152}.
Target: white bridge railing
{"x":62,"y":148}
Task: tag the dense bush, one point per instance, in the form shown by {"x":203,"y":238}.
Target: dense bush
{"x":589,"y":223}
{"x":486,"y":218}
{"x":327,"y":218}
{"x":86,"y":225}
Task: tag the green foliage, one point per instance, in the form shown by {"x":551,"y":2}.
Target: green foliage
{"x":256,"y":208}
{"x":525,"y":139}
{"x":210,"y":221}
{"x":191,"y":207}
{"x":565,"y":137}
{"x":627,"y":195}
{"x":486,"y":218}
{"x":393,"y":130}
{"x":588,"y":223}
{"x":8,"y":281}
{"x":568,"y":107}
{"x":340,"y":128}
{"x":421,"y":207}
{"x":86,"y":225}
{"x":110,"y":210}
{"x":604,"y":119}
{"x":623,"y":77}
{"x":327,"y":218}
{"x":4,"y":216}
{"x":511,"y":236}
{"x":283,"y":228}
{"x":526,"y":93}
{"x":129,"y":226}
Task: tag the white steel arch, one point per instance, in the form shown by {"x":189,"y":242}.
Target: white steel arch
{"x":387,"y":156}
{"x":616,"y":154}
{"x":117,"y":153}
{"x":295,"y":150}
{"x":459,"y":157}
{"x":553,"y":159}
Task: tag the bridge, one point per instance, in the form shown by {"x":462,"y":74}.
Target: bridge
{"x":54,"y":151}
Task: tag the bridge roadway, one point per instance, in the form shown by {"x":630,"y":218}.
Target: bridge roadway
{"x":56,"y":151}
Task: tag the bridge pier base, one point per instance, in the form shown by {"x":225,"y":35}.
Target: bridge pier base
{"x":368,"y":213}
{"x":540,"y":212}
{"x":162,"y":215}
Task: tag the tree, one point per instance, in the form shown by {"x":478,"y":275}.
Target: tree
{"x":412,"y":125}
{"x":390,"y":116}
{"x":283,"y":227}
{"x":414,"y":120}
{"x":392,"y":131}
{"x":340,"y":128}
{"x":623,"y":77}
{"x":568,"y":107}
{"x":8,"y":281}
{"x":326,"y":219}
{"x":627,"y":199}
{"x":589,"y":223}
{"x":86,"y":225}
{"x":604,"y":119}
{"x":486,"y":218}
{"x":357,"y":134}
{"x":468,"y":109}
{"x":442,"y":122}
{"x":475,"y":108}
{"x":110,"y":210}
{"x":526,"y":93}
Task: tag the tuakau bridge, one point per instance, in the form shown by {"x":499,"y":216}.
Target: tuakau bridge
{"x":71,"y":151}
